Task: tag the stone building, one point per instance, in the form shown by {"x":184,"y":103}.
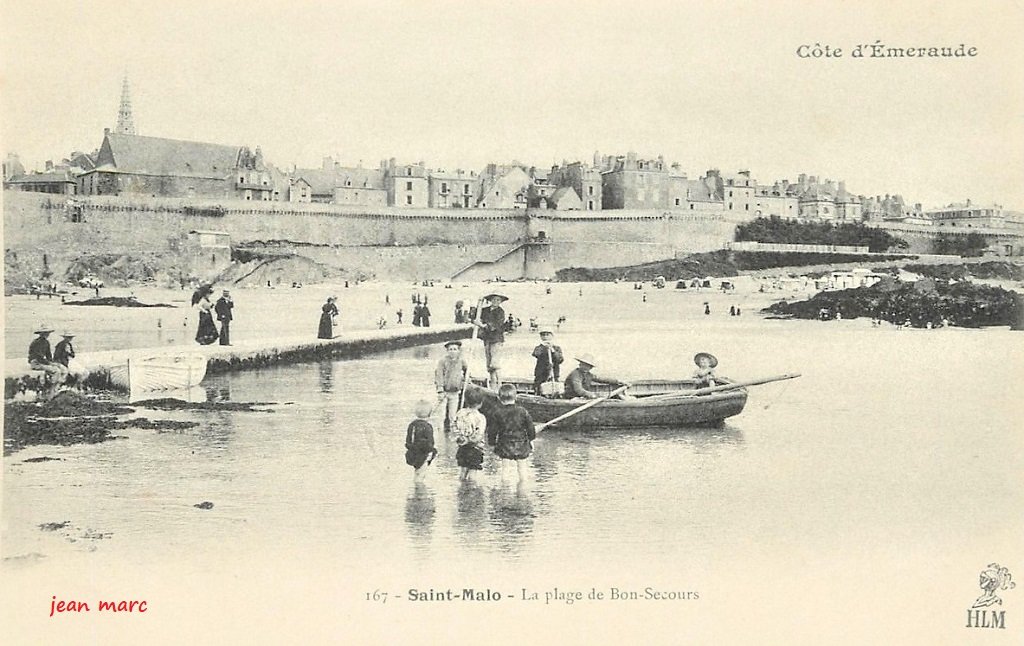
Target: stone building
{"x":456,"y":189}
{"x":632,"y":183}
{"x":583,"y":179}
{"x":504,"y":187}
{"x":565,"y":199}
{"x":966,"y":214}
{"x":705,"y":194}
{"x":778,"y":200}
{"x":60,"y":182}
{"x":134,"y":164}
{"x":406,"y":184}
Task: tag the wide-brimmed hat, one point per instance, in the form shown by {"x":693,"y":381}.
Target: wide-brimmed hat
{"x":448,"y":344}
{"x":700,"y":355}
{"x":587,"y":359}
{"x":43,"y":328}
{"x":67,"y":333}
{"x":545,"y":330}
{"x":501,"y":296}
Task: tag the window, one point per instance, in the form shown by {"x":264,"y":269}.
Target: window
{"x":590,"y":206}
{"x":408,"y":171}
{"x":408,"y":186}
{"x":691,"y":207}
{"x":677,"y":201}
{"x":408,"y":199}
{"x":730,"y":193}
{"x":241,"y":180}
{"x":730,"y":206}
{"x":465,"y":189}
{"x":444,"y":187}
{"x":348,"y":182}
{"x":746,"y":207}
{"x":590,"y":190}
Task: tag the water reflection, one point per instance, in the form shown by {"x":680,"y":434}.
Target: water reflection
{"x":511,"y":516}
{"x":326,"y":376}
{"x":420,"y":510}
{"x":470,"y":513}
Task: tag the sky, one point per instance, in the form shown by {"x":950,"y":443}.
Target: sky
{"x":460,"y":84}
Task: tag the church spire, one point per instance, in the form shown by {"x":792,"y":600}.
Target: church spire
{"x":125,"y":124}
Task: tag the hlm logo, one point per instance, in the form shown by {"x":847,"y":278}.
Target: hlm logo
{"x":992,"y":579}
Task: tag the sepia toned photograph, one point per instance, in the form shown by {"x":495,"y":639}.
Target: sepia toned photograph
{"x":347,"y":322}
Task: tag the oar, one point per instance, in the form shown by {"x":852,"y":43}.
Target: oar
{"x":733,"y":386}
{"x":465,"y":380}
{"x":592,"y":402}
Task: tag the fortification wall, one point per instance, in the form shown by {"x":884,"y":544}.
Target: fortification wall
{"x":381,"y":241}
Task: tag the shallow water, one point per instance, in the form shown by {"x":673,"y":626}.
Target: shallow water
{"x":893,"y":447}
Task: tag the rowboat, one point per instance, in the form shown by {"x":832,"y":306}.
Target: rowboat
{"x":159,"y":372}
{"x":653,"y":403}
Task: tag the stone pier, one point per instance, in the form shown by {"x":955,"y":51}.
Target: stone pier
{"x":18,"y":377}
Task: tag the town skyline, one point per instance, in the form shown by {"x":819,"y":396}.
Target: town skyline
{"x":459,"y":102}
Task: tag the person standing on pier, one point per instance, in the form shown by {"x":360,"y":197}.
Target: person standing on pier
{"x":449,"y":377}
{"x":330,"y":311}
{"x":492,"y":332}
{"x":206,"y":332}
{"x":223,"y":308}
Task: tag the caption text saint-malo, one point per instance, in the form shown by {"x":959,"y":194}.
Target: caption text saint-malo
{"x":878,"y":49}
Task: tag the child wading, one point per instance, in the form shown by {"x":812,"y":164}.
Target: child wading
{"x":511,"y":431}
{"x":470,"y":426}
{"x":419,"y":441}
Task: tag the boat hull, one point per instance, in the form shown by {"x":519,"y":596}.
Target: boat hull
{"x":159,"y":373}
{"x":653,"y":404}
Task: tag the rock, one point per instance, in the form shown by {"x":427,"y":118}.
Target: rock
{"x":204,"y":505}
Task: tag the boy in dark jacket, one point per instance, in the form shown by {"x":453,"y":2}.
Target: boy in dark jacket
{"x":510,"y":431}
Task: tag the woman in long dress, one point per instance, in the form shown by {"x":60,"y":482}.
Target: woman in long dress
{"x":330,"y":311}
{"x":206,"y":333}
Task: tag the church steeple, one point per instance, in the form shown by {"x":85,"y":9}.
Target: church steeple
{"x":125,"y":124}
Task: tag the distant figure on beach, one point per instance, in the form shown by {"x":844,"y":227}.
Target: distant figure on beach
{"x":424,"y":314}
{"x":511,"y":431}
{"x":223,"y":309}
{"x":41,"y":358}
{"x":732,"y":310}
{"x":492,"y":332}
{"x":580,"y":382}
{"x":561,"y":319}
{"x":419,"y":441}
{"x":449,"y":378}
{"x":328,"y":314}
{"x":707,"y":308}
{"x":398,"y":317}
{"x":460,"y":316}
{"x":387,"y":299}
{"x":705,"y":374}
{"x":206,"y":333}
{"x":470,"y":429}
{"x":549,"y":360}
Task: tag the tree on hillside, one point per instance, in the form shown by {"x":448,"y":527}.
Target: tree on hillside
{"x":776,"y":230}
{"x":971,"y":245}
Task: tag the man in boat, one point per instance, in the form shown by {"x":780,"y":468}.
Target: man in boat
{"x":223,"y":308}
{"x":492,"y":332}
{"x":40,"y":356}
{"x":449,"y":378}
{"x":580,"y":382}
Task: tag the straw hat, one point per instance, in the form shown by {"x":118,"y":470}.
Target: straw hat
{"x":448,"y":344}
{"x":43,"y":329}
{"x":587,"y":359}
{"x":502,"y":297}
{"x":700,"y":355}
{"x":68,"y":334}
{"x":546,"y":330}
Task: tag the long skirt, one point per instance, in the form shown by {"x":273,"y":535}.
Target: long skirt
{"x":207,"y":332}
{"x":326,"y":329}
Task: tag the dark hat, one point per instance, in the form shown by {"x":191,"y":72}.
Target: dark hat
{"x":501,"y":296}
{"x":700,"y":355}
{"x":448,"y":344}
